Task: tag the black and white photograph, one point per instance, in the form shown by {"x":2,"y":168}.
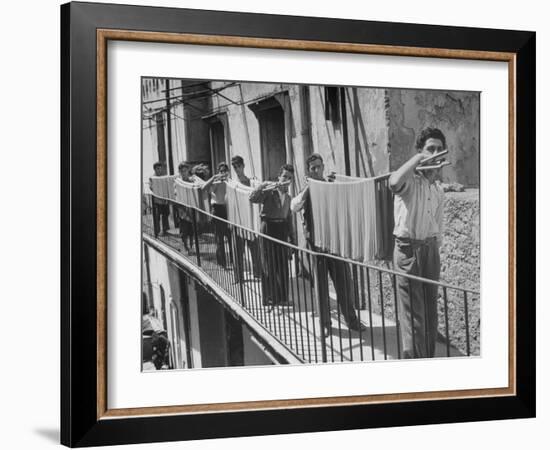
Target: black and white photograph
{"x":307,"y":224}
{"x":275,"y":225}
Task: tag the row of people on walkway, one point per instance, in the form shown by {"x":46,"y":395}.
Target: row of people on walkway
{"x":418,"y":217}
{"x":270,"y":260}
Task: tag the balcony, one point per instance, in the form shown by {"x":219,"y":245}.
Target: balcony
{"x":227,"y":258}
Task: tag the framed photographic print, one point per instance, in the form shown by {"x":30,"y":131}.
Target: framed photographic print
{"x":277,"y":224}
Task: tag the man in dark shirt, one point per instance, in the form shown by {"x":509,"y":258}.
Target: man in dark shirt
{"x":338,"y":270}
{"x":277,"y":223}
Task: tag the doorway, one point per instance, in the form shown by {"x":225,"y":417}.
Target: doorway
{"x":271,"y":121}
{"x":217,"y":143}
{"x":272,"y":141}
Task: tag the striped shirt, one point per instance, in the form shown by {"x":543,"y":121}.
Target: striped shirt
{"x":418,"y":209}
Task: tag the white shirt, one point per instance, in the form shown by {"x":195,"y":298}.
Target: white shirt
{"x":418,"y":209}
{"x":297,"y":203}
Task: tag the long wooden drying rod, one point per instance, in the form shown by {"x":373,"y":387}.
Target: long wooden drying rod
{"x":275,"y":186}
{"x":434,"y":166}
{"x":433,"y":157}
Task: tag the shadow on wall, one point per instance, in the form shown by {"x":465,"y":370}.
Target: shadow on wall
{"x":49,"y":434}
{"x":360,"y":139}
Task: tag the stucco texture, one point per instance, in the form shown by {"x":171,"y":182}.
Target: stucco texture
{"x":460,"y":264}
{"x":456,"y":114}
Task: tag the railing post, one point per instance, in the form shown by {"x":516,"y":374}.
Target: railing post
{"x":318,"y":300}
{"x":196,"y":236}
{"x":381,"y":293}
{"x":446,"y":306}
{"x":397,"y":330}
{"x":466,"y":323}
{"x":410,"y":320}
{"x":355,"y":286}
{"x":370,"y":315}
{"x":312,"y":300}
{"x":238,"y":260}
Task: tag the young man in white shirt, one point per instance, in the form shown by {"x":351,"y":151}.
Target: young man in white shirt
{"x":185,"y":215}
{"x":241,"y":237}
{"x":217,"y":188}
{"x":418,"y":215}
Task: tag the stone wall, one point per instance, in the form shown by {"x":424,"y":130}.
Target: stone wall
{"x":455,"y":113}
{"x":460,"y":248}
{"x":460,"y":266}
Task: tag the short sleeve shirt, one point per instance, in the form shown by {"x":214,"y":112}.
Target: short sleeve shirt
{"x":418,"y":209}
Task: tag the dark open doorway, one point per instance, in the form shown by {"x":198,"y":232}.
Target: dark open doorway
{"x":217,"y":141}
{"x":271,"y":119}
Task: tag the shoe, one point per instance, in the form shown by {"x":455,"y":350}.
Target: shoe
{"x":285,"y":303}
{"x":357,"y":326}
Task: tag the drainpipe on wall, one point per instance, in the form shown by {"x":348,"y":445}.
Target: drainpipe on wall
{"x":345,"y":130}
{"x":307,"y":139}
{"x":148,"y":282}
{"x":169,"y":130}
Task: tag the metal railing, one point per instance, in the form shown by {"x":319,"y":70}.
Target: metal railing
{"x":286,"y":289}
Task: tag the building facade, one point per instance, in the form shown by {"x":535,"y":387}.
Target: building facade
{"x":359,"y":131}
{"x":363,"y":132}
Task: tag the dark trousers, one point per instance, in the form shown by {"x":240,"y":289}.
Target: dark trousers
{"x":160,"y":216}
{"x":241,"y":238}
{"x":221,"y":231}
{"x":275,"y":262}
{"x":417,"y":300}
{"x":341,"y":278}
{"x":185,"y":227}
